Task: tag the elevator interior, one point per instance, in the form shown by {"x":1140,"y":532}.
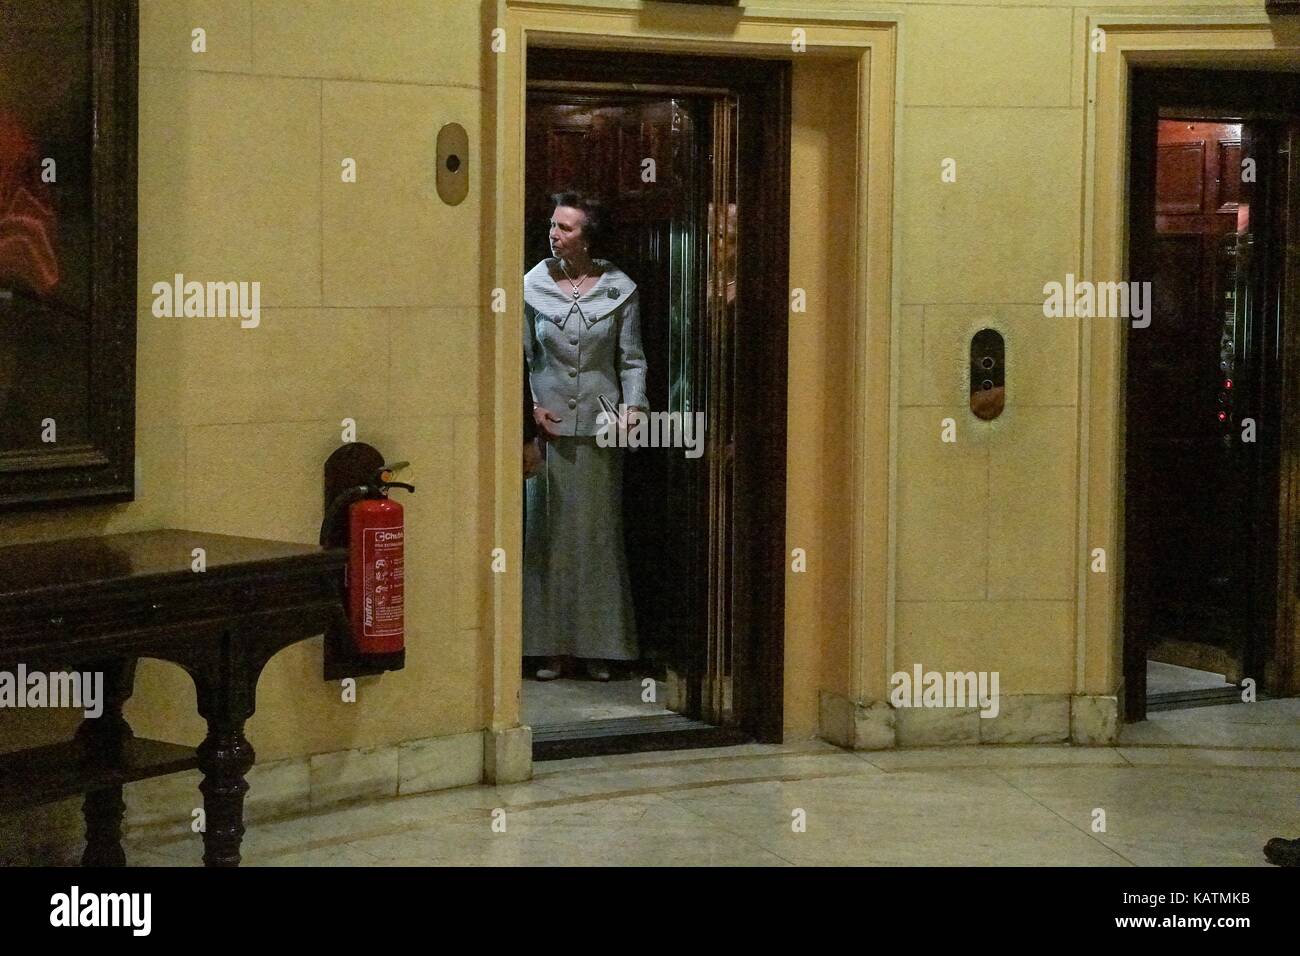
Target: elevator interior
{"x":667,"y":159}
{"x":1210,"y":433}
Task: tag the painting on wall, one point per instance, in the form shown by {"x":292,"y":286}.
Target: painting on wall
{"x":67,"y":250}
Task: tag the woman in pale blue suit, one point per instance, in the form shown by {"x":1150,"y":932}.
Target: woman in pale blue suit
{"x":582,"y":342}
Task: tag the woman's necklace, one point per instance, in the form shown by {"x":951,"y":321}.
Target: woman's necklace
{"x":576,"y":285}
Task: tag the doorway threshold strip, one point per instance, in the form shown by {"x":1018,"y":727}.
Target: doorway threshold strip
{"x":613,"y":726}
{"x":589,"y":738}
{"x":1206,"y":697}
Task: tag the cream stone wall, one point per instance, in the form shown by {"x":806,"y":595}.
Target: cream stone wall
{"x":818,"y":641}
{"x":373,"y":309}
{"x":369,"y":293}
{"x":987,"y":548}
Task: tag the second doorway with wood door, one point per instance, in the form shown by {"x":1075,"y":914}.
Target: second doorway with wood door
{"x":1212,"y":418}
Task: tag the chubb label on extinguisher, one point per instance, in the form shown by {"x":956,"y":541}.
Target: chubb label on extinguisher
{"x":382,"y":560}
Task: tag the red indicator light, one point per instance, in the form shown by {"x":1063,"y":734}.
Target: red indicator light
{"x":1228,"y":383}
{"x":1223,"y":416}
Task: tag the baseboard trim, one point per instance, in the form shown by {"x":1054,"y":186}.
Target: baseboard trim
{"x":1082,"y":719}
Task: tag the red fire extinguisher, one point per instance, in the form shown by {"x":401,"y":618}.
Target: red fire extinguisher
{"x":375,"y":569}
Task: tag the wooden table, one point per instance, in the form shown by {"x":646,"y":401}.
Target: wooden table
{"x":99,"y":604}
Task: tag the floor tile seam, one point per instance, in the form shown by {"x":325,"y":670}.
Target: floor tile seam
{"x":171,"y":854}
{"x":869,"y":755}
{"x":1122,"y":761}
{"x":1069,"y":823}
{"x":930,"y":768}
{"x":695,"y":761}
{"x":1215,"y":747}
{"x":324,"y":844}
{"x":176,"y":859}
{"x":1123,"y":765}
{"x":459,"y":816}
{"x":748,"y":841}
{"x":320,"y":843}
{"x":680,"y":787}
{"x":399,"y":830}
{"x":147,"y":839}
{"x":1215,"y":766}
{"x":291,"y":851}
{"x":468,"y":814}
{"x":143,"y":833}
{"x":631,"y":768}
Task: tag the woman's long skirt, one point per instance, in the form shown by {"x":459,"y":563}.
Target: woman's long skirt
{"x":577,"y":597}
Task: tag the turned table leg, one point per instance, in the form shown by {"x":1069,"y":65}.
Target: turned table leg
{"x":225,"y":756}
{"x":103,"y":738}
{"x":104,"y":810}
{"x":226,"y":684}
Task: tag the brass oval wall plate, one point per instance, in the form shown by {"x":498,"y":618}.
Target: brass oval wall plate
{"x":988,"y":392}
{"x":453,"y":163}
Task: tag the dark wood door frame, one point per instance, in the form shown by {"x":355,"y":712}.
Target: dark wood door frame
{"x":760,"y":344}
{"x":1245,"y":95}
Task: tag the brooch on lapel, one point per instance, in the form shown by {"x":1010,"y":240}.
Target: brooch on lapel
{"x":612,"y":293}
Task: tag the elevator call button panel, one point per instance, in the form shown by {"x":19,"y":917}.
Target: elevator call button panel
{"x":988,"y":392}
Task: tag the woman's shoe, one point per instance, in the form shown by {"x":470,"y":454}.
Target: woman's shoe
{"x":598,"y":670}
{"x":550,"y":670}
{"x":1282,"y":852}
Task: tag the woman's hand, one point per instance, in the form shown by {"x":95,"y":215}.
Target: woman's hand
{"x":532,"y":458}
{"x":546,"y":421}
{"x":629,"y":416}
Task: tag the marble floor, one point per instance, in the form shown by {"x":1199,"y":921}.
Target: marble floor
{"x":569,"y":700}
{"x":1268,"y":725}
{"x":1207,"y":786}
{"x":1171,"y":678}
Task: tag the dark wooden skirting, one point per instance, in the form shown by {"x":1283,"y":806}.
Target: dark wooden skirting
{"x":592,"y":738}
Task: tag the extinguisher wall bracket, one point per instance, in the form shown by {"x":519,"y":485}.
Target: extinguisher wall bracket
{"x":350,"y":473}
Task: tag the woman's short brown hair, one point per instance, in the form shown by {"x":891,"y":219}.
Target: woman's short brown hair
{"x":596,"y":228}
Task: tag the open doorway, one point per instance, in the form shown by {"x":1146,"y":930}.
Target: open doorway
{"x":689,"y":156}
{"x":1210,"y":407}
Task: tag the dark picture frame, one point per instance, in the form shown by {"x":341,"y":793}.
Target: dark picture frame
{"x":86,"y":340}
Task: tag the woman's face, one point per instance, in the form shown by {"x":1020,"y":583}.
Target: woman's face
{"x":566,"y":232}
